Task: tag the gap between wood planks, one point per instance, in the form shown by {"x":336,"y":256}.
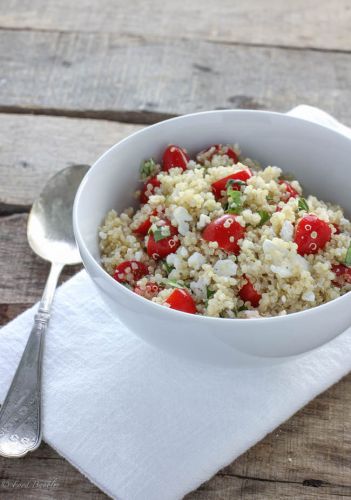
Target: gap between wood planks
{"x":136,"y":117}
{"x":312,"y":483}
{"x":184,"y":38}
{"x":8,"y":209}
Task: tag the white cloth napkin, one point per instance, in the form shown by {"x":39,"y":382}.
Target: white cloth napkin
{"x":143,"y":425}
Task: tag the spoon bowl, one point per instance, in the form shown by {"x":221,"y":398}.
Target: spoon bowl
{"x":49,"y":229}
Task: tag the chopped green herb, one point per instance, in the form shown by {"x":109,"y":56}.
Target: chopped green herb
{"x":173,"y":283}
{"x":303,"y":205}
{"x":348,"y":257}
{"x":240,"y":309}
{"x":148,"y":168}
{"x":161,"y":232}
{"x":232,"y":182}
{"x":209,"y":295}
{"x":167,"y":267}
{"x":265,"y":216}
{"x":269,"y":197}
{"x":235,"y":202}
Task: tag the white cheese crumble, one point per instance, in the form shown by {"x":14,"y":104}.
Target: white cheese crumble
{"x":287,"y":231}
{"x":308,"y":296}
{"x":284,"y":261}
{"x":252,"y":314}
{"x":199,"y":287}
{"x":173,"y":260}
{"x":182,"y":218}
{"x":196,"y":260}
{"x":225,"y":267}
{"x":203,"y":221}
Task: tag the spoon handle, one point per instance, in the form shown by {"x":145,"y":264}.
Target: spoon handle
{"x":20,"y":415}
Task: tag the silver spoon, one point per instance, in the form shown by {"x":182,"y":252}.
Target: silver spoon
{"x":50,"y":234}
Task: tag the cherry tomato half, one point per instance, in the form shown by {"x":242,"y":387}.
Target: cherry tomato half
{"x":226,"y":231}
{"x":174,"y":156}
{"x":311,"y":235}
{"x":181,"y":300}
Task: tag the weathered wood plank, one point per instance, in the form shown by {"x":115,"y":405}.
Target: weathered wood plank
{"x":313,"y":23}
{"x":44,"y":475}
{"x":23,"y":274}
{"x":32,"y":148}
{"x":107,"y":76}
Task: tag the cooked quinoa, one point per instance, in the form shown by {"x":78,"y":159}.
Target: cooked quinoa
{"x":251,"y":245}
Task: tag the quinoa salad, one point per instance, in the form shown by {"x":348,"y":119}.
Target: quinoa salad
{"x":221,"y":236}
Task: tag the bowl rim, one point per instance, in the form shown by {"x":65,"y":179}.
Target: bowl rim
{"x":159,"y":308}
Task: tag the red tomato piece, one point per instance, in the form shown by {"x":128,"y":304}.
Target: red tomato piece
{"x":181,"y":300}
{"x":342,"y":274}
{"x":226,"y":231}
{"x":248,"y":293}
{"x":160,"y":249}
{"x":290,"y":191}
{"x":311,"y":235}
{"x":218,"y":149}
{"x":151,"y":290}
{"x":220,"y":185}
{"x":130,"y":271}
{"x":148,"y":189}
{"x":144,"y":226}
{"x":174,"y":156}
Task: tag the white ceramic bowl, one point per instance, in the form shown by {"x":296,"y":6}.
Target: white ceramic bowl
{"x":320,"y":160}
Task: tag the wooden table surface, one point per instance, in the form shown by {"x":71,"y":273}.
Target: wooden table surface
{"x":76,"y":77}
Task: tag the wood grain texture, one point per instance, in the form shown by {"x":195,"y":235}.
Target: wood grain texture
{"x":32,"y":148}
{"x":107,"y":76}
{"x":23,"y":274}
{"x":321,"y":24}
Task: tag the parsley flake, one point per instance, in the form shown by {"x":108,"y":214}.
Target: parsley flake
{"x":265,"y":216}
{"x":167,"y":267}
{"x":173,"y":283}
{"x":348,"y":257}
{"x":303,"y":205}
{"x":233,"y":182}
{"x":148,"y":168}
{"x":161,"y":232}
{"x":235,"y":202}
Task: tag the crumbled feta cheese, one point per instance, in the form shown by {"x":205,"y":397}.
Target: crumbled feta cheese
{"x":199,"y":287}
{"x":308,"y":296}
{"x":173,"y":260}
{"x":182,"y":218}
{"x":284,"y":261}
{"x":203,"y":221}
{"x":182,"y":251}
{"x":287,"y":231}
{"x":252,"y":314}
{"x":196,"y":260}
{"x":284,"y":271}
{"x":225,"y":267}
